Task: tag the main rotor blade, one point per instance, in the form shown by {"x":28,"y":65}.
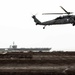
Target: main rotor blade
{"x":53,"y":13}
{"x":66,"y":11}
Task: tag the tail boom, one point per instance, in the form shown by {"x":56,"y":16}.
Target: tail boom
{"x":36,"y":20}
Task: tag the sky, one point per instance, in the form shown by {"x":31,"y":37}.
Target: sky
{"x":16,"y":24}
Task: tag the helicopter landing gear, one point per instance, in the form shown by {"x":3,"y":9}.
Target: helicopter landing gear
{"x":44,"y":27}
{"x":73,"y":24}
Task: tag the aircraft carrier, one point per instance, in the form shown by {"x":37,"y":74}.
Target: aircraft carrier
{"x":36,"y":61}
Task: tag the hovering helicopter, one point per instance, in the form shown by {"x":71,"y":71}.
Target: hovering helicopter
{"x":67,"y":19}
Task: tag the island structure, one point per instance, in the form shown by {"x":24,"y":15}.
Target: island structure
{"x":36,"y":61}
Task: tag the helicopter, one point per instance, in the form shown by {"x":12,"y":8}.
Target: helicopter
{"x":66,"y":19}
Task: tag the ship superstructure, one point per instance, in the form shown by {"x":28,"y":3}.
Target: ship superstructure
{"x":14,"y":48}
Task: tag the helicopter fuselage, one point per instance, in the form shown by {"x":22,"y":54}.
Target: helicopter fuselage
{"x":68,"y":19}
{"x":60,"y":20}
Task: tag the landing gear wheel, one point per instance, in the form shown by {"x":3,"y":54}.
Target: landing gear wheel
{"x":43,"y":27}
{"x":73,"y":24}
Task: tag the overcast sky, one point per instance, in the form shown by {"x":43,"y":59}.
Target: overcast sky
{"x":16,"y":24}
